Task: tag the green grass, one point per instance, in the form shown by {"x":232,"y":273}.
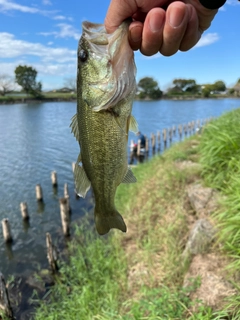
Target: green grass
{"x":139,"y":275}
{"x":220,"y":150}
{"x":91,"y":284}
{"x":220,"y":157}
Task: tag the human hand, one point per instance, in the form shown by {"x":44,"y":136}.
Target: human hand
{"x":154,"y":29}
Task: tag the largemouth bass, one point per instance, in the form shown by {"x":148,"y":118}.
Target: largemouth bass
{"x":105,"y":91}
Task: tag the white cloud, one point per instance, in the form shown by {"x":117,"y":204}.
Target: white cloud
{"x":46,"y":69}
{"x":12,"y":48}
{"x":232,"y":2}
{"x":51,"y":75}
{"x":66,"y":31}
{"x":59,"y":17}
{"x":207,"y":39}
{"x":6,"y":5}
{"x":47,"y":2}
{"x":52,"y":64}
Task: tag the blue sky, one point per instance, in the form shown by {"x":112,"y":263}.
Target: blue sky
{"x":45,"y":33}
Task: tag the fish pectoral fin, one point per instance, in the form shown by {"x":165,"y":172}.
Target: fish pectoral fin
{"x":74,"y":126}
{"x":129,"y":177}
{"x":133,"y":125}
{"x":82,"y":183}
{"x":118,"y":124}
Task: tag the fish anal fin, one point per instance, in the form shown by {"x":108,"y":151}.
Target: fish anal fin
{"x":74,"y":126}
{"x":129,"y":177}
{"x":82,"y":183}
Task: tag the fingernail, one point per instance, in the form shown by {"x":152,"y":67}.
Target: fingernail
{"x":156,"y":24}
{"x":176,"y":16}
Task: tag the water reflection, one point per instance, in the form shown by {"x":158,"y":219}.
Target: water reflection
{"x":41,"y":206}
{"x":9,"y":251}
{"x":26,"y":225}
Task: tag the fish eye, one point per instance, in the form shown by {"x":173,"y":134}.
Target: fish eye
{"x":83,"y":55}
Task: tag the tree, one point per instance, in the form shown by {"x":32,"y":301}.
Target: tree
{"x":149,"y":88}
{"x":6,"y":84}
{"x":71,"y":83}
{"x":219,"y":86}
{"x":206,"y":91}
{"x":25,"y":76}
{"x":185,"y":84}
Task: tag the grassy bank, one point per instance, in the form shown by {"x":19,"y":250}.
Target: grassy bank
{"x":220,"y":159}
{"x":139,"y":275}
{"x":58,"y":96}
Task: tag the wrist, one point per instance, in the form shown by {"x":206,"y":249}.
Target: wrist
{"x":216,"y":4}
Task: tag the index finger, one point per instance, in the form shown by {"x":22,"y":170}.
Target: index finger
{"x":118,"y":11}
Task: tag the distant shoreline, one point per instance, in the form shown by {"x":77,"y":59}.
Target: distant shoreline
{"x":27,"y":100}
{"x":10,"y":100}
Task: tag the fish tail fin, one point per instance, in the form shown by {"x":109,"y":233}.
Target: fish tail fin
{"x":106,"y":222}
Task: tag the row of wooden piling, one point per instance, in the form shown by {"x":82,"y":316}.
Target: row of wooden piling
{"x":52,"y":254}
{"x":156,"y":141}
{"x":64,"y":204}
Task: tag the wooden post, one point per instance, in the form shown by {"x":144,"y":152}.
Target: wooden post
{"x":6,"y":231}
{"x":24,"y":210}
{"x":140,"y":155}
{"x":180,"y":131}
{"x":165,"y":138}
{"x":54,"y":178}
{"x":65,"y":218}
{"x":51,"y":254}
{"x":73,"y":166}
{"x":198,"y":127}
{"x":4,"y":299}
{"x":147,"y":148}
{"x":189,"y":127}
{"x":153,"y":141}
{"x":65,"y":192}
{"x":174,"y":130}
{"x":39,"y":194}
{"x":159,"y":140}
{"x":193,"y":127}
{"x":66,"y":196}
{"x":170,"y":134}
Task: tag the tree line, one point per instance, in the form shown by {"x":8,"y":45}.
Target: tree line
{"x":147,"y":87}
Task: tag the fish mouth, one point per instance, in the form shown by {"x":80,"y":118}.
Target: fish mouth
{"x":95,"y":33}
{"x":117,"y":51}
{"x":100,"y":40}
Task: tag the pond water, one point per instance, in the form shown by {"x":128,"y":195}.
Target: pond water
{"x":35,"y":139}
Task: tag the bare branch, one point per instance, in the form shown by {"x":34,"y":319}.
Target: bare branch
{"x":7,"y":84}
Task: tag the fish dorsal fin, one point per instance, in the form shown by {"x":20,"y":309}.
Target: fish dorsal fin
{"x":133,"y":124}
{"x":74,"y":126}
{"x":129,"y":177}
{"x":82,"y":183}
